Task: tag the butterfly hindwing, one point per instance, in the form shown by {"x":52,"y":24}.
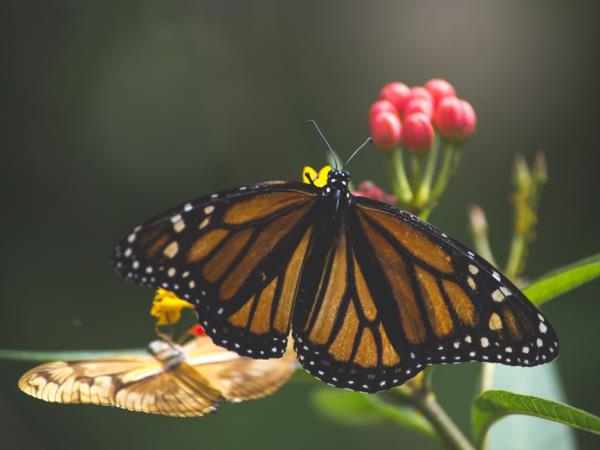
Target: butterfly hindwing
{"x":237,"y":255}
{"x":236,"y":377}
{"x":191,"y":386}
{"x":140,"y":384}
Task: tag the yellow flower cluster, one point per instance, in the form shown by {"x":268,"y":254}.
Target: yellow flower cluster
{"x":318,"y":179}
{"x":166,"y":307}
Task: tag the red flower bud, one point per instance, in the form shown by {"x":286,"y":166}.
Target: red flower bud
{"x":197,"y":330}
{"x":379,"y":106}
{"x":368,"y":189}
{"x":417,"y":133}
{"x":386,"y":130}
{"x":439,"y":90}
{"x":455,"y":119}
{"x":415,"y":105}
{"x":470,"y":120}
{"x":396,"y":93}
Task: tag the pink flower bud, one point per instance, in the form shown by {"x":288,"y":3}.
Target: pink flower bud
{"x":470,"y":120}
{"x":415,"y":105}
{"x":396,"y":93}
{"x":439,"y":90}
{"x":386,"y":130}
{"x":417,"y":133}
{"x":449,"y":117}
{"x":455,"y":119}
{"x":416,"y":93}
{"x":381,"y":105}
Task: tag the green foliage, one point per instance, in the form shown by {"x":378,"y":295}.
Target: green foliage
{"x":492,"y":406}
{"x":563,"y":280}
{"x":39,"y":356}
{"x":357,"y":408}
{"x":528,"y":432}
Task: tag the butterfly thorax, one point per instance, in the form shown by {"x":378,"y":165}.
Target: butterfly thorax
{"x":168,"y":354}
{"x":336,"y":188}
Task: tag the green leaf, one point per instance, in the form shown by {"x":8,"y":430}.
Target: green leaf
{"x":563,"y":280}
{"x":356,"y":408}
{"x":41,"y":356}
{"x":527,"y":433}
{"x":492,"y":406}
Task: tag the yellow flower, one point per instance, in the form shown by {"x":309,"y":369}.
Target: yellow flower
{"x":166,"y":307}
{"x":319,"y":179}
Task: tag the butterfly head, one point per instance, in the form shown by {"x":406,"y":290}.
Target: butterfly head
{"x":337,"y":184}
{"x":338,"y":179}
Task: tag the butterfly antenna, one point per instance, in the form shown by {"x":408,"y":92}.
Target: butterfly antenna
{"x":312,"y":122}
{"x":363,"y":145}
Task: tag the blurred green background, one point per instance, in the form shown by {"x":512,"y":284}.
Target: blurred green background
{"x":114,"y":111}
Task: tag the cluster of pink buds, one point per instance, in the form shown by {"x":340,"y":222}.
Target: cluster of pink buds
{"x":409,"y":116}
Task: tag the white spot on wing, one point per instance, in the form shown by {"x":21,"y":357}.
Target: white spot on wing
{"x":497,"y":296}
{"x":506,"y":291}
{"x":179,"y":226}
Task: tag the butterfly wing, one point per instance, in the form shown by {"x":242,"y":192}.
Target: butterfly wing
{"x":236,"y":377}
{"x":400,"y":295}
{"x":140,"y":384}
{"x":237,"y":254}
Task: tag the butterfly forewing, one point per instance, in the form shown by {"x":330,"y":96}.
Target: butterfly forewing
{"x":237,"y":255}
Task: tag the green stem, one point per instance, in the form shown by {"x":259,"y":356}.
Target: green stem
{"x":425,"y":402}
{"x":448,"y":163}
{"x":516,"y":254}
{"x":400,"y":180}
{"x":425,"y":188}
{"x":487,"y":377}
{"x":415,"y":171}
{"x":69,"y":355}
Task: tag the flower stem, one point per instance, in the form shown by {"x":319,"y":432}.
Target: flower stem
{"x":424,"y":401}
{"x":415,"y":171}
{"x":425,"y":188}
{"x":449,"y":162}
{"x":70,"y":355}
{"x":516,"y":256}
{"x":400,"y":180}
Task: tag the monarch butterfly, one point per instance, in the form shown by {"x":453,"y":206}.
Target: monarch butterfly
{"x":371,"y":293}
{"x":175,"y":381}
